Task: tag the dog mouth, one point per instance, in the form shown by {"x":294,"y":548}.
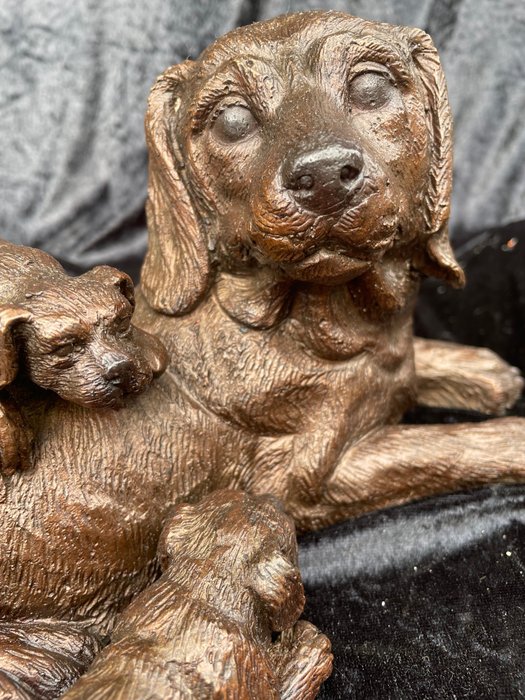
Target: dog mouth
{"x":330,"y":255}
{"x":327,"y":267}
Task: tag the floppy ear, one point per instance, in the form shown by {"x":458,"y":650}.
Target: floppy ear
{"x":10,"y":317}
{"x":110,"y":275}
{"x":176,"y":270}
{"x":154,"y":351}
{"x":437,"y":258}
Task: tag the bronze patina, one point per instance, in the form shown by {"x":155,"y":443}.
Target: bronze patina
{"x":300,"y":175}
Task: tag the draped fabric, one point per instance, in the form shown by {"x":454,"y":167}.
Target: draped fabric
{"x":74,"y":79}
{"x":421,"y":601}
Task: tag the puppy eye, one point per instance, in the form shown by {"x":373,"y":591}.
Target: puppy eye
{"x":64,"y":350}
{"x":371,"y":90}
{"x":123,"y":325}
{"x":235,"y":122}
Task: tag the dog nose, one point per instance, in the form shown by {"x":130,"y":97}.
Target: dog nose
{"x":118,"y":370}
{"x":324,"y":178}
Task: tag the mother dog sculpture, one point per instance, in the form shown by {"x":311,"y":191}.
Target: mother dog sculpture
{"x":300,"y":175}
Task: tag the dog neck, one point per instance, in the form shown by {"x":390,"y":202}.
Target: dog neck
{"x":335,"y":322}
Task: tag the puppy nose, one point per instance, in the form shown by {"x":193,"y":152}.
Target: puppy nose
{"x":325,"y":178}
{"x":118,"y":370}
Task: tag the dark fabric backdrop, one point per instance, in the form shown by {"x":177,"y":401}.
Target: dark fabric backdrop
{"x":424,"y":601}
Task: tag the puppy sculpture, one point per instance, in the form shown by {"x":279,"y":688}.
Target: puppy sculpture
{"x":300,"y":173}
{"x":72,"y":335}
{"x":200,"y":628}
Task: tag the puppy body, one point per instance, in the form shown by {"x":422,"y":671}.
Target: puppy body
{"x":204,"y":629}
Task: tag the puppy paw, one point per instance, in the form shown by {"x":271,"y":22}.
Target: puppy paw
{"x":304,"y":658}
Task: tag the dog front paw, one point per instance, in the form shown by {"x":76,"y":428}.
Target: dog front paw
{"x":462,"y":377}
{"x":304,"y":658}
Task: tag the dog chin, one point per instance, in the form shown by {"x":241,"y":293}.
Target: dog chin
{"x":108,"y":397}
{"x":326,"y":267}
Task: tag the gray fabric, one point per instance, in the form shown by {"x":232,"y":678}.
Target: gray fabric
{"x":74,"y":78}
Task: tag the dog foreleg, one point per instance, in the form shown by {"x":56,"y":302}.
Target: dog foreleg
{"x":405,"y":462}
{"x":303,"y":660}
{"x":449,"y":375}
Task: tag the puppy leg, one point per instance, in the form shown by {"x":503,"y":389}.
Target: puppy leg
{"x":463,"y":377}
{"x":303,"y":661}
{"x":404,"y":462}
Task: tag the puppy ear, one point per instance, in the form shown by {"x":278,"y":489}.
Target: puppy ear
{"x":10,"y":317}
{"x":176,"y":269}
{"x":277,"y":583}
{"x":110,"y":275}
{"x":176,"y":534}
{"x":437,"y":258}
{"x":153,"y":350}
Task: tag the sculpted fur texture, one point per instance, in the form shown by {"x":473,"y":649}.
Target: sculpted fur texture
{"x":69,"y":335}
{"x":300,"y":174}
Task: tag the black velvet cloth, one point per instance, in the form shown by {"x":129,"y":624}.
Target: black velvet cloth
{"x":427,"y":600}
{"x":423,"y":601}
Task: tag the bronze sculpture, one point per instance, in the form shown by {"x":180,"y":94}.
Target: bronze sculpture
{"x":300,"y":175}
{"x":73,"y":336}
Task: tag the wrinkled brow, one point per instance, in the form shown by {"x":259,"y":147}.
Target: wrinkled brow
{"x":62,"y":330}
{"x":249,"y":79}
{"x":332,"y":57}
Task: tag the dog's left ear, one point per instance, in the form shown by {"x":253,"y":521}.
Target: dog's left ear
{"x":10,"y":317}
{"x":110,"y":275}
{"x":436,"y":259}
{"x":176,"y":270}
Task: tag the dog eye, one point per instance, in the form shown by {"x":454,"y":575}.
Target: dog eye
{"x":64,"y":350}
{"x":370,"y":90}
{"x":234,"y":123}
{"x":123,"y":325}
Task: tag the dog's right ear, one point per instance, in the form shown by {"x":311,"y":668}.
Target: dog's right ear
{"x":176,"y":270}
{"x":10,"y":317}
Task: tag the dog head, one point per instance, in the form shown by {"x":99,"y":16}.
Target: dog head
{"x":75,"y":337}
{"x":311,"y":146}
{"x":251,"y":539}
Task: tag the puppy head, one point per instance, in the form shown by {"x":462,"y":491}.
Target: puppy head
{"x":76,"y":339}
{"x":252,"y":540}
{"x":311,"y":144}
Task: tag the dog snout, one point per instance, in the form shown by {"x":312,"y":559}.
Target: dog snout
{"x":324,"y":179}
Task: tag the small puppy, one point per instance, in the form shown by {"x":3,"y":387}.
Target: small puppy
{"x":204,"y":630}
{"x":70,"y":335}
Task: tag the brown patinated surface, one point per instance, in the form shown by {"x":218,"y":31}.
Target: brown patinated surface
{"x":300,"y":175}
{"x":69,"y":335}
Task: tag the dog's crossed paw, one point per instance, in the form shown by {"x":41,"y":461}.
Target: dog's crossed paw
{"x":304,"y":658}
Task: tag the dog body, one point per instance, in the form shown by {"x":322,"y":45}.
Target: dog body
{"x":299,"y":184}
